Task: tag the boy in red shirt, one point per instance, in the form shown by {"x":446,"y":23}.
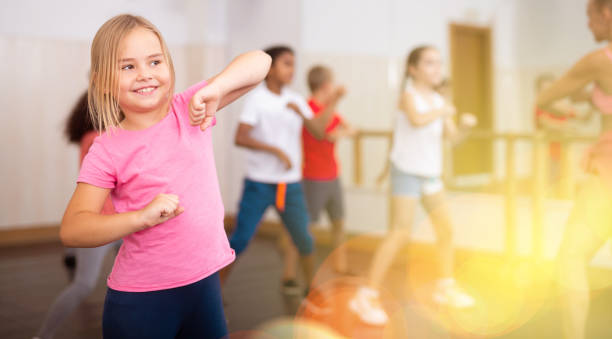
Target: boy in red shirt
{"x":321,"y":183}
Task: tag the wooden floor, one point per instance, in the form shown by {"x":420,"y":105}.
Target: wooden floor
{"x":514,"y":300}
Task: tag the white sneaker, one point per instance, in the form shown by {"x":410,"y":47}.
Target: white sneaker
{"x":366,"y":305}
{"x":450,"y":294}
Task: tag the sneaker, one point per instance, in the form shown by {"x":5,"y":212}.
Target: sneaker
{"x":452,"y":295}
{"x":291,"y":287}
{"x":367,"y":307}
{"x":314,"y":307}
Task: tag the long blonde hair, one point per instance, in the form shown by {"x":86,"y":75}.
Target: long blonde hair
{"x":103,"y":89}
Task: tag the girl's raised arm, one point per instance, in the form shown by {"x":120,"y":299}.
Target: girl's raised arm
{"x":240,"y":76}
{"x":574,"y":81}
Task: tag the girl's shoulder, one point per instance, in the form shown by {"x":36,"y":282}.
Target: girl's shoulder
{"x":110,"y":139}
{"x":410,"y":93}
{"x":595,"y":61}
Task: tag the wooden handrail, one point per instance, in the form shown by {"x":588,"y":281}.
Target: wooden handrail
{"x":540,"y":143}
{"x":486,"y":134}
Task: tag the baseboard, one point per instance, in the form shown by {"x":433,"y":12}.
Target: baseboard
{"x":367,"y":243}
{"x":29,"y":235}
{"x":37,"y":234}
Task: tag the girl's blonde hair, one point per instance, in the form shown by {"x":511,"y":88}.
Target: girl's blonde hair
{"x":103,"y":89}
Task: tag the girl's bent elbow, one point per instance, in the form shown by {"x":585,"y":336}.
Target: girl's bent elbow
{"x":267,"y":59}
{"x":65,"y":236}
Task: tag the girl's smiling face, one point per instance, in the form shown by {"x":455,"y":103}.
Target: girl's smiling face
{"x":144,"y":76}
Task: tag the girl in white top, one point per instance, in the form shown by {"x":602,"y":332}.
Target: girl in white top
{"x":424,"y":118}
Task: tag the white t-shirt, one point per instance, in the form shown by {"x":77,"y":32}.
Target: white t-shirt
{"x":277,"y":125}
{"x":417,"y":150}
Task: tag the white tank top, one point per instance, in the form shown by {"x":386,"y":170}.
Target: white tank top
{"x":417,"y":150}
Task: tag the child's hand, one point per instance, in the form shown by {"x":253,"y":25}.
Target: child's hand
{"x":203,"y":106}
{"x":468,"y":120}
{"x":162,"y":208}
{"x":332,"y":136}
{"x":449,"y":110}
{"x":339,"y":92}
{"x":284,"y":159}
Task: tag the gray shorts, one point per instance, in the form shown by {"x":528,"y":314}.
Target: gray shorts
{"x":324,"y":194}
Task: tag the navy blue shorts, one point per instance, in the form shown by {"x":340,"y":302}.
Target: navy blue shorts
{"x":256,"y":198}
{"x":191,"y":311}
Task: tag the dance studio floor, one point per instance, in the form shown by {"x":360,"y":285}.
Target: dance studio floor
{"x":515,"y":300}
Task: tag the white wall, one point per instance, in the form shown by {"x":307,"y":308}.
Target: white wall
{"x":46,"y":45}
{"x":181,"y":21}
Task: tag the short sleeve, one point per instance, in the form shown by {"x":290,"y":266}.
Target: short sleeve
{"x":97,"y":168}
{"x":304,"y":107}
{"x":86,"y":143}
{"x":250,"y":113}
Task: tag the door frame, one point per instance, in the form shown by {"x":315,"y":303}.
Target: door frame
{"x":453,"y":29}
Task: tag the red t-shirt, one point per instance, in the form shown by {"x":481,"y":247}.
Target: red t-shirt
{"x":319,"y":155}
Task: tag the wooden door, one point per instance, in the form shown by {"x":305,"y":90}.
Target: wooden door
{"x":471,"y":79}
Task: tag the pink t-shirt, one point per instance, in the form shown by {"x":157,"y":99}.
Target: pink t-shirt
{"x":169,"y":157}
{"x":86,"y":142}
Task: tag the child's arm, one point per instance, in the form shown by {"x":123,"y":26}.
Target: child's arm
{"x":582,"y":96}
{"x":343,"y":130}
{"x":408,"y":107}
{"x":551,"y":124}
{"x":240,"y":76}
{"x":84,"y":226}
{"x":244,"y":139}
{"x":562,"y":108}
{"x":317,"y":125}
{"x":576,"y":79}
{"x":457,"y":134}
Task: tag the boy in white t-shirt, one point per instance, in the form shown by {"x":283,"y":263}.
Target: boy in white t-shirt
{"x":270,"y":129}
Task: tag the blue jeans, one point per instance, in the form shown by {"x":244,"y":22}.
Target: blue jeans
{"x":256,"y":198}
{"x":191,"y":311}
